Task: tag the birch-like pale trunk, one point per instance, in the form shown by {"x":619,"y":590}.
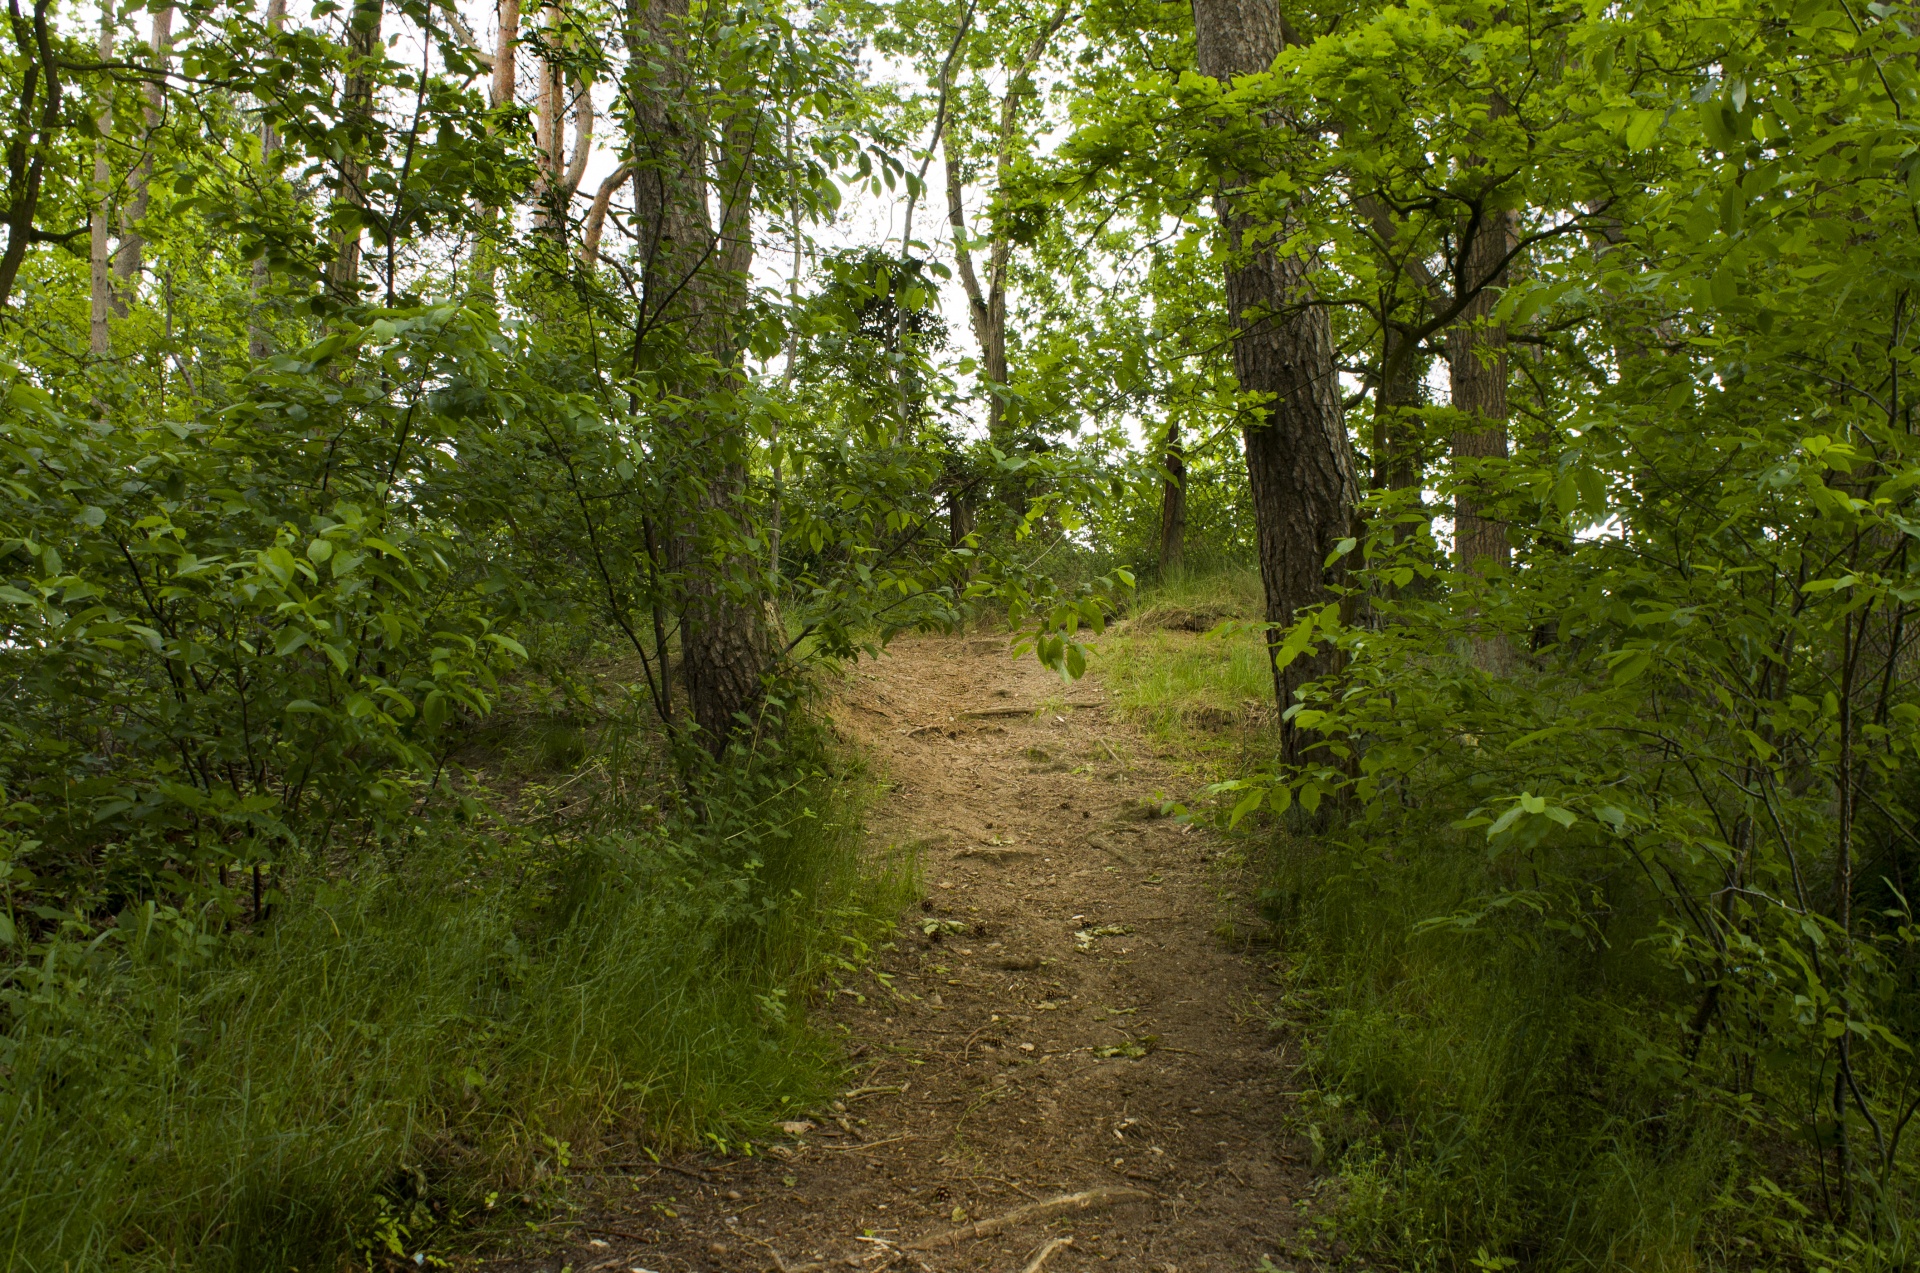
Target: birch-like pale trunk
{"x":99,"y":226}
{"x":130,"y":257}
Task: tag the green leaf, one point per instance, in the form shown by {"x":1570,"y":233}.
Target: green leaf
{"x":1642,"y":127}
{"x":508,"y":644}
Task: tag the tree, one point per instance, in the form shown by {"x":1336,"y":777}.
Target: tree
{"x":1299,"y":462}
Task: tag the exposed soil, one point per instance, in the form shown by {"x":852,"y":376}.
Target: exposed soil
{"x":1063,"y":1014}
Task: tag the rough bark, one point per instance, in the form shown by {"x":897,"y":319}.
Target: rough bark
{"x":1173,"y":504}
{"x":130,"y":257}
{"x":1477,"y":359}
{"x":1299,"y":465}
{"x":1396,"y":446}
{"x":363,"y":48}
{"x":694,"y":278}
{"x":99,"y":264}
{"x":505,"y":44}
{"x":960,"y":515}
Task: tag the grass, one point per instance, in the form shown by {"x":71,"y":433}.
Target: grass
{"x":416,"y":1049}
{"x":1189,"y":663}
{"x":1477,"y":1095}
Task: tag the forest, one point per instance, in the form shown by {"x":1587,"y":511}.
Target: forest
{"x":454,"y":459}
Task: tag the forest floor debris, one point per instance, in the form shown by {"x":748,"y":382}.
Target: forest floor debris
{"x":1052,"y":1048}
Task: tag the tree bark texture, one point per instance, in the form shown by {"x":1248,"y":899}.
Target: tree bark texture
{"x":960,"y":515}
{"x":694,"y":276}
{"x":549,"y":130}
{"x":130,"y":256}
{"x":1299,"y":464}
{"x":259,"y":335}
{"x":363,"y":46}
{"x":99,"y":263}
{"x":1401,"y":391}
{"x":1173,"y":505}
{"x":506,"y":41}
{"x":1477,"y":358}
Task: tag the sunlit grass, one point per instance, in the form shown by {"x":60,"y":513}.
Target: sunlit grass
{"x":1189,"y":663}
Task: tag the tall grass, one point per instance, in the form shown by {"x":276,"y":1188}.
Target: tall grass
{"x":1478,"y":1092}
{"x":1479,"y":1095}
{"x":394,"y":1047}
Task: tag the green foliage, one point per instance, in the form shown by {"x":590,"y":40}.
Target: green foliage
{"x":1610,"y":929}
{"x":407,"y":1042}
{"x":406,"y":779}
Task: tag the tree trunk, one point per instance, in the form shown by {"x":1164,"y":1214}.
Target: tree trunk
{"x":986,"y":309}
{"x":582,"y":142}
{"x":1477,"y":359}
{"x":363,"y":46}
{"x":596,"y":221}
{"x":987,"y":305}
{"x":1173,"y":505}
{"x":1299,"y":464}
{"x":130,"y":257}
{"x":259,"y":336}
{"x":549,"y":129}
{"x":99,"y":264}
{"x":505,"y":43}
{"x":30,"y":145}
{"x":694,"y":280}
{"x":1401,"y":391}
{"x":486,"y":254}
{"x":960,"y":516}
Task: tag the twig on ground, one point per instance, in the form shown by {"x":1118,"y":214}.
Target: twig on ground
{"x":1033,"y":1265}
{"x":688,"y":1172}
{"x":780,"y":1263}
{"x":874,"y":1091}
{"x":872,"y":1144}
{"x":1085,"y":1200}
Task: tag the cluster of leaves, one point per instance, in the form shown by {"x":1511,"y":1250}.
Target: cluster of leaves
{"x":1682,"y":724}
{"x":284,"y":502}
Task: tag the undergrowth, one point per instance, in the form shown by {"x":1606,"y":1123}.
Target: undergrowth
{"x":425,"y":1043}
{"x":1481,"y":1093}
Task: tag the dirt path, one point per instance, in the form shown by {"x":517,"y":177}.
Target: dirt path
{"x":1060,"y":1018}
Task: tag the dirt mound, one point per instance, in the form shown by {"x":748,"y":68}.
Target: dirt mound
{"x":1169,"y":618}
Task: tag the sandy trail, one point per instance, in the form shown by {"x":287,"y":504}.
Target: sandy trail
{"x":1059,"y":1017}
